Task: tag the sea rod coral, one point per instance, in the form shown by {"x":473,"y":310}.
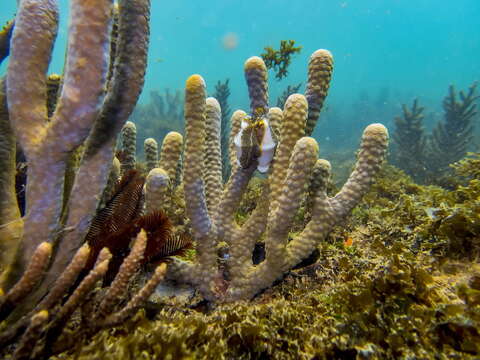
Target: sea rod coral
{"x":46,"y":244}
{"x":211,"y":208}
{"x":84,"y":114}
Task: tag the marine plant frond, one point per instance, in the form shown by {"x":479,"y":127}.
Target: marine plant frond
{"x":159,"y":229}
{"x":122,"y":207}
{"x":161,"y":115}
{"x":5,"y":35}
{"x":410,"y":141}
{"x":452,"y":138}
{"x":110,"y":228}
{"x":291,"y":89}
{"x":279,"y":60}
{"x":222,"y":93}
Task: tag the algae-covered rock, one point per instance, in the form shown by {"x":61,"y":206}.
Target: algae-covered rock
{"x":399,"y":279}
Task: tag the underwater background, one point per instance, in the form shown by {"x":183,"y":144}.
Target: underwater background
{"x":386,"y":52}
{"x":396,"y":273}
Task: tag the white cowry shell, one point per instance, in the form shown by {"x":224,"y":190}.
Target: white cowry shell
{"x":267,"y":146}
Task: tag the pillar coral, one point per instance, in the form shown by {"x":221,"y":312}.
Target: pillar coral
{"x":211,"y":208}
{"x":89,"y":113}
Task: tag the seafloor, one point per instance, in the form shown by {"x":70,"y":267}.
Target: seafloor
{"x":400,"y":279}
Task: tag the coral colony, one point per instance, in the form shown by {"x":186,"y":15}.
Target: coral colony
{"x":98,"y":232}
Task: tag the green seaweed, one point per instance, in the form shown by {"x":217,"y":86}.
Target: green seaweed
{"x":452,"y":138}
{"x":222,"y":93}
{"x":408,"y":286}
{"x":280,"y":60}
{"x":469,"y":167}
{"x":410,"y":141}
{"x":164,"y":113}
{"x":289,"y":90}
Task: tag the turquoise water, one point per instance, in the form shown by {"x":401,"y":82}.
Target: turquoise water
{"x":411,"y":48}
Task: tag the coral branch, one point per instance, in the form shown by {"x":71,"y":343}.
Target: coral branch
{"x":320,"y":69}
{"x":294,"y":162}
{"x":212,"y":160}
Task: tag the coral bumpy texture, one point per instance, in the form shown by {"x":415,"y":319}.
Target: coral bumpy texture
{"x":211,"y":208}
{"x":44,"y":252}
{"x":41,"y":287}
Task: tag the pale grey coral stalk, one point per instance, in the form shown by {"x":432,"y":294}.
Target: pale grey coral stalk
{"x":157,"y":189}
{"x":122,"y":95}
{"x":129,"y":147}
{"x":47,"y":145}
{"x":292,"y":129}
{"x":92,"y":176}
{"x":87,"y":115}
{"x":150,"y":148}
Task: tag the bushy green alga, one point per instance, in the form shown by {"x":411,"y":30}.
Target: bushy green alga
{"x":400,"y":279}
